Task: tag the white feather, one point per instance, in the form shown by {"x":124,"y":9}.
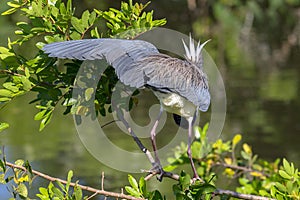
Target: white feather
{"x":194,"y":53}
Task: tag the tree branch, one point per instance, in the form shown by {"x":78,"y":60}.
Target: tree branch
{"x":124,"y":196}
{"x":83,"y":187}
{"x":240,"y":196}
{"x":217,"y":191}
{"x":236,"y":167}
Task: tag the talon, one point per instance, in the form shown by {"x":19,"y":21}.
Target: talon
{"x":161,"y":175}
{"x":157,"y":169}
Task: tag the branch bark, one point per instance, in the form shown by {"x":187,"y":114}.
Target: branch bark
{"x":83,"y":187}
{"x":240,"y":196}
{"x":124,"y":196}
{"x":244,"y":169}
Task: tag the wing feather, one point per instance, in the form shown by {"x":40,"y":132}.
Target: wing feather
{"x":121,"y":54}
{"x":138,"y":63}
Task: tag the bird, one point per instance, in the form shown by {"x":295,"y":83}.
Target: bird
{"x":181,"y":85}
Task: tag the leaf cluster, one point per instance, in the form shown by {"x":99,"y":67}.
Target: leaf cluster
{"x":17,"y":180}
{"x":236,"y":161}
{"x":47,"y":21}
{"x":254,"y":176}
{"x":131,"y":17}
{"x":59,"y":191}
{"x":139,"y":189}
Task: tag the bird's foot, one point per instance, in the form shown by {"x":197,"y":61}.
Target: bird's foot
{"x":158,"y":170}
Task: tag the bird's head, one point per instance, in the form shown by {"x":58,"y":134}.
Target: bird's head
{"x":194,"y":53}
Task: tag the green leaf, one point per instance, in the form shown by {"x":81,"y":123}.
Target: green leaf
{"x":92,"y":18}
{"x":39,"y":45}
{"x":94,"y":33}
{"x":13,"y":4}
{"x":184,"y":180}
{"x":77,"y":193}
{"x":85,"y":19}
{"x":263,"y":193}
{"x":3,"y":126}
{"x":245,"y":155}
{"x":132,"y":191}
{"x":142,"y":186}
{"x":40,"y":115}
{"x":133,"y":182}
{"x":207,"y":189}
{"x":22,"y":190}
{"x":4,"y":53}
{"x":45,"y":120}
{"x":9,"y":11}
{"x":27,"y":85}
{"x":75,"y":35}
{"x":283,"y":174}
{"x":43,"y":191}
{"x":6,"y":93}
{"x":11,"y":86}
{"x":19,"y":162}
{"x":281,"y":187}
{"x":76,"y":23}
{"x":28,"y":167}
{"x":57,"y":193}
{"x":69,"y":6}
{"x":4,"y":99}
{"x":69,"y":178}
{"x":62,"y":186}
{"x":2,"y":178}
{"x":54,"y":11}
{"x":289,"y":168}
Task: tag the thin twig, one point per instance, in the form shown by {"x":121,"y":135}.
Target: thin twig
{"x":240,"y":196}
{"x":83,"y":187}
{"x":93,"y":195}
{"x":108,"y":123}
{"x":245,"y":169}
{"x":102,"y":181}
{"x":218,"y":191}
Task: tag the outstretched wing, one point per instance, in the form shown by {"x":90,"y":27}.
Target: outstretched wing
{"x":121,"y":54}
{"x":138,"y":63}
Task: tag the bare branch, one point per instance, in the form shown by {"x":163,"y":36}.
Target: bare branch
{"x":240,"y":196}
{"x":245,"y":169}
{"x":83,"y":187}
{"x":123,"y":196}
{"x":102,"y":181}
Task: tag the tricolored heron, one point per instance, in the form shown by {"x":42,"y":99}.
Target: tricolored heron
{"x":180,"y":85}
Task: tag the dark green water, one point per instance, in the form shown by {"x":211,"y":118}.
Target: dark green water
{"x":263,"y":104}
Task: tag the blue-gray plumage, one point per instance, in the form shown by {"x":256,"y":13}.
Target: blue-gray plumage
{"x":180,"y":85}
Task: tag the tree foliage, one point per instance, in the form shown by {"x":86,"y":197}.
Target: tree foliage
{"x":53,"y":20}
{"x":254,"y":176}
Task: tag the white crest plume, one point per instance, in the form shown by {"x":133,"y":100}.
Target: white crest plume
{"x":193,"y":53}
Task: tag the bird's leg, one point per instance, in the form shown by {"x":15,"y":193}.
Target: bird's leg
{"x":189,"y":151}
{"x":157,"y":165}
{"x":134,"y":136}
